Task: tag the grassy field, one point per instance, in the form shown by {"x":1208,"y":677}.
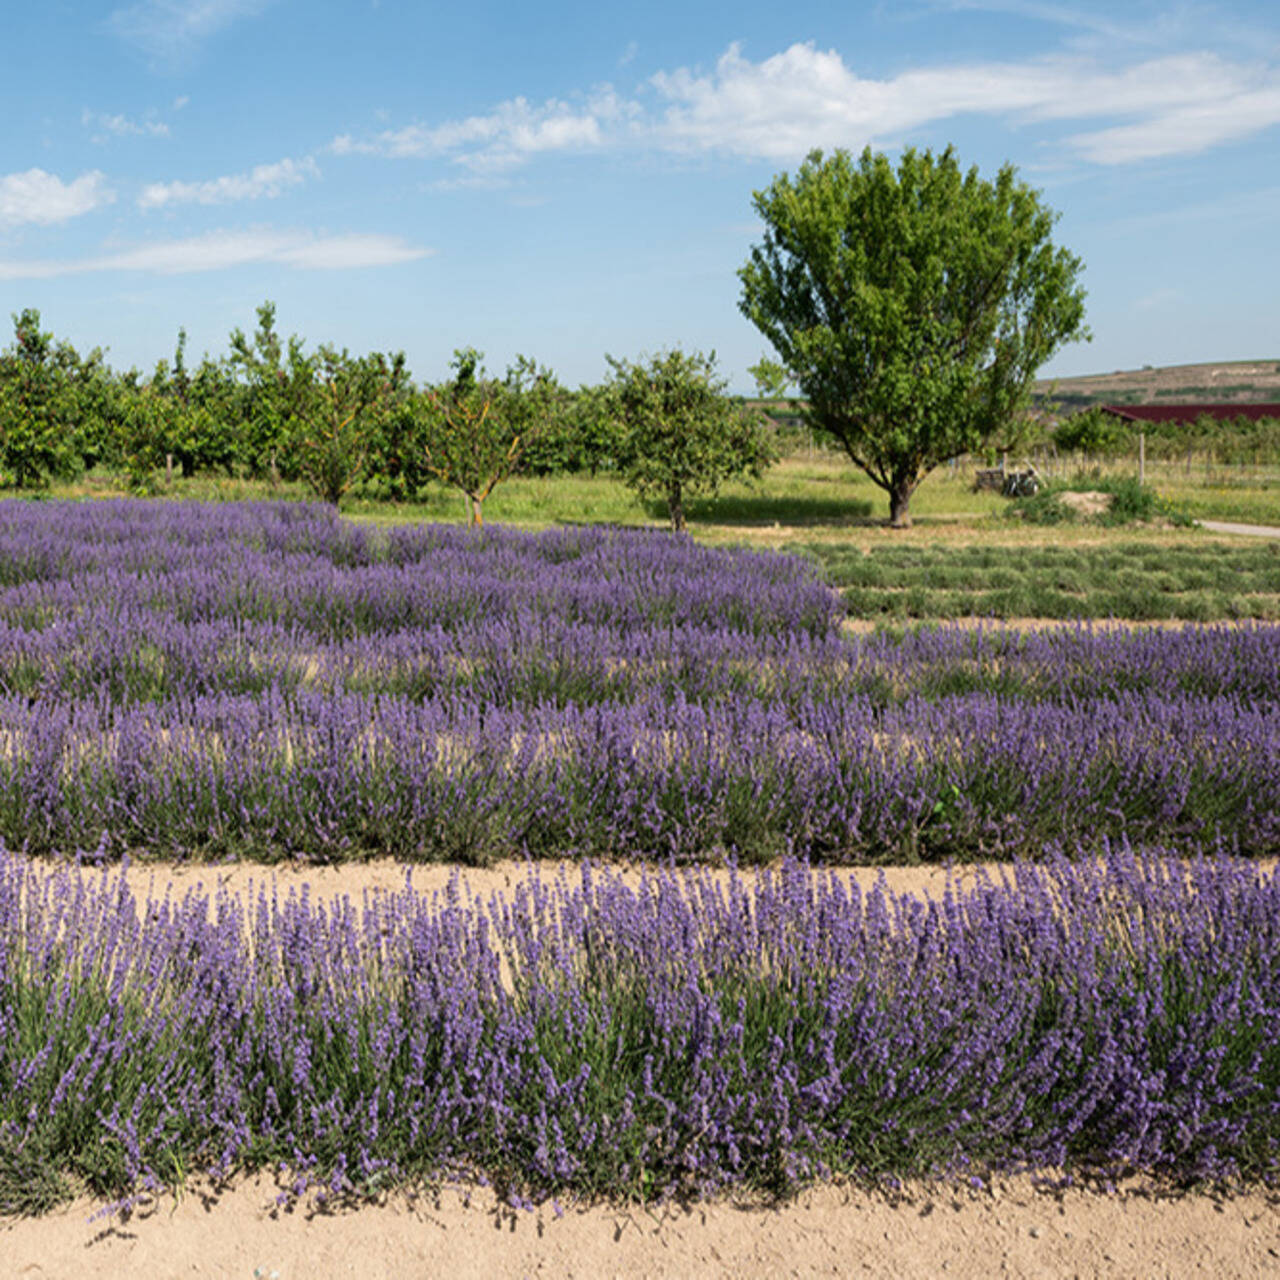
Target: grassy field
{"x":803,"y":491}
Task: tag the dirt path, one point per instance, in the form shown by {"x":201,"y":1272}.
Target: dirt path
{"x":1248,"y":530}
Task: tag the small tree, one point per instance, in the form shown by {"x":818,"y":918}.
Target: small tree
{"x":913,"y":308}
{"x":476,"y":427}
{"x":149,"y":426}
{"x":177,"y":417}
{"x":681,"y":434}
{"x":37,"y":406}
{"x":276,"y":392}
{"x":333,"y":443}
{"x":582,"y":435}
{"x":771,"y":379}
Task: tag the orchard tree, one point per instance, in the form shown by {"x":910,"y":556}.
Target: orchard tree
{"x":771,"y":379}
{"x":149,"y":426}
{"x":38,"y":410}
{"x":475,"y":428}
{"x":582,"y":435}
{"x":1092,"y":431}
{"x":277,"y":388}
{"x":912,"y":308}
{"x":343,"y":423}
{"x":681,"y":435}
{"x":196,"y":427}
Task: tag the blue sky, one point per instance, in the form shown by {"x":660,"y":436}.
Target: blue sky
{"x":569,"y":179}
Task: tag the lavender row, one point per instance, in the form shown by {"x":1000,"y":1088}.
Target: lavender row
{"x":302,"y":568}
{"x":128,"y":653}
{"x":333,"y":776}
{"x":587,"y":1037}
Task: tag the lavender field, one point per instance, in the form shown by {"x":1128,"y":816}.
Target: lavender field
{"x":269,"y":682}
{"x":266,"y":681}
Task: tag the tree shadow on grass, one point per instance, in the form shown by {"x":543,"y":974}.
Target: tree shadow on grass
{"x":763,"y":510}
{"x":746,"y":511}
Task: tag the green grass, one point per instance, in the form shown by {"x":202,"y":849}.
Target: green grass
{"x":1208,"y":491}
{"x":804,"y":491}
{"x":822,"y":490}
{"x":1253,"y":505}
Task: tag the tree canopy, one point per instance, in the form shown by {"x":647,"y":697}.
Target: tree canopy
{"x":912,"y":308}
{"x":477,"y":427}
{"x":681,"y":435}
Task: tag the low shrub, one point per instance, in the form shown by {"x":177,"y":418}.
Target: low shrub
{"x":1129,"y":503}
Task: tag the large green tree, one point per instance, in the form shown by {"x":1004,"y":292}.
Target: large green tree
{"x":912,"y":307}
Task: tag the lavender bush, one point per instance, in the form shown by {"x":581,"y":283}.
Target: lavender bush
{"x":585,"y":1036}
{"x":268,"y":681}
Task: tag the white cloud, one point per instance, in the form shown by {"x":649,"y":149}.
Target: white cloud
{"x":37,"y":196}
{"x":264,"y":180}
{"x":169,"y":30}
{"x":1185,"y":129}
{"x":1150,"y":26}
{"x":122,"y":126}
{"x":804,"y":97}
{"x":469,"y":182}
{"x":1146,"y":29}
{"x":220,"y":250}
{"x":509,"y":134}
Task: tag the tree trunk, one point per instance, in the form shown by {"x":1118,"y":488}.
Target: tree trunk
{"x":675,"y":507}
{"x":899,"y":504}
{"x":477,"y":515}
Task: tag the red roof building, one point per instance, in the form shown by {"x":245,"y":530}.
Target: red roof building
{"x":1190,"y":412}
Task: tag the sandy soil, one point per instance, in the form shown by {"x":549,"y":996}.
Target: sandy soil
{"x":1013,"y":1229}
{"x":333,"y":883}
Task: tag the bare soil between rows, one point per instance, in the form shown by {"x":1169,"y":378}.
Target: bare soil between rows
{"x":1013,"y":1229}
{"x":1016,"y":1227}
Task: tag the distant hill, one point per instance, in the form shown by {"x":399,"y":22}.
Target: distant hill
{"x":1232,"y":381}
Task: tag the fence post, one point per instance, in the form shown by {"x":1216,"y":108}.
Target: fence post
{"x":1142,"y":457}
